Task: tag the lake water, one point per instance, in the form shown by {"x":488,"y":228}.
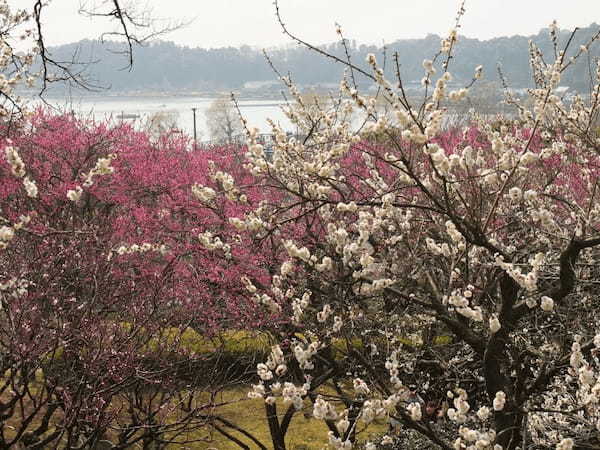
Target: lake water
{"x":111,"y":107}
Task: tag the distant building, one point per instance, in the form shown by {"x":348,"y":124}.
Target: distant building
{"x":255,"y":85}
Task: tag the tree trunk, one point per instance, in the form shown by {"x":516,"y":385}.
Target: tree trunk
{"x":276,"y":435}
{"x":509,"y":424}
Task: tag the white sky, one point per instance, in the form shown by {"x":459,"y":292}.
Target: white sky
{"x":218,"y":23}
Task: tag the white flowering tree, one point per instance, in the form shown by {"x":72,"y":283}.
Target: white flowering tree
{"x":443,"y":281}
{"x":222,"y":121}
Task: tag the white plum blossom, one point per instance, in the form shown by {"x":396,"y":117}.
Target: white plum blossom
{"x":203,"y":193}
{"x":324,"y":410}
{"x":360,"y":387}
{"x":102,"y":167}
{"x":75,"y":194}
{"x":547,"y":303}
{"x":402,"y":229}
{"x":301,"y":253}
{"x":414,"y":409}
{"x":483,"y":413}
{"x":495,"y":324}
{"x":499,"y":401}
{"x":565,"y":444}
{"x":30,"y":187}
{"x":6,"y":233}
{"x":14,"y":160}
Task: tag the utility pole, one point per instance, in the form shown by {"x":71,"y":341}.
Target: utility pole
{"x":195,"y":136}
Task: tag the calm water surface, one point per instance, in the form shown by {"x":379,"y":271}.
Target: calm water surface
{"x":110,"y":107}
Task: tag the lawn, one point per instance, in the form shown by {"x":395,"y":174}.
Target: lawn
{"x":304,"y":432}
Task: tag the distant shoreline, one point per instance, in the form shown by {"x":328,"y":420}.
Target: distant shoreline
{"x":242,"y":96}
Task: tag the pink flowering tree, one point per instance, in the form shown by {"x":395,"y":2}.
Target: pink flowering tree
{"x":104,"y":274}
{"x":443,"y":281}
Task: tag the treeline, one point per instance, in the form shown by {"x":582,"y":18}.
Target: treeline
{"x":166,"y":66}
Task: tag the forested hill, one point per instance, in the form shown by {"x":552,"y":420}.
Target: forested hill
{"x":162,"y":65}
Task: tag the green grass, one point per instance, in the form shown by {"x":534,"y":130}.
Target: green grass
{"x":231,"y":341}
{"x":304,"y":433}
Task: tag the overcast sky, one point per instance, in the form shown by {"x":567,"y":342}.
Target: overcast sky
{"x":217,"y":23}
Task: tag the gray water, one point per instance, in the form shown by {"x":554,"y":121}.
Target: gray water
{"x":178,"y":108}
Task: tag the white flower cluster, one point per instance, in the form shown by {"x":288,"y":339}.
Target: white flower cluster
{"x":102,"y":167}
{"x":299,"y":305}
{"x":141,"y":248}
{"x":347,"y":207}
{"x":587,"y":377}
{"x":458,"y":414}
{"x":74,"y":195}
{"x":471,"y":438}
{"x":499,"y":401}
{"x":449,"y":41}
{"x":17,"y":168}
{"x":415,"y":135}
{"x":376,"y":408}
{"x":483,"y":413}
{"x":275,"y":366}
{"x":270,"y":389}
{"x":203,"y":193}
{"x":326,"y":265}
{"x":494,"y":324}
{"x":15,"y":287}
{"x":458,"y":95}
{"x":374,"y":287}
{"x":30,"y":187}
{"x":434,"y":248}
{"x":264,"y":299}
{"x":301,"y":253}
{"x":360,"y":387}
{"x":515,"y":193}
{"x":460,"y":300}
{"x":14,"y":160}
{"x":526,"y":281}
{"x":547,"y":303}
{"x":212,"y":242}
{"x":549,"y":427}
{"x":339,"y":443}
{"x":304,"y":354}
{"x":7,"y":233}
{"x":324,"y":314}
{"x":251,"y":223}
{"x":228,"y":184}
{"x":565,"y":444}
{"x":414,"y":410}
{"x":338,"y":323}
{"x":287,"y":267}
{"x":248,"y":284}
{"x":386,"y":222}
{"x":439,"y":93}
{"x":545,"y":218}
{"x":454,"y":234}
{"x":428,"y":66}
{"x":392,"y":365}
{"x":323,"y":410}
{"x":292,"y":394}
{"x":275,"y":363}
